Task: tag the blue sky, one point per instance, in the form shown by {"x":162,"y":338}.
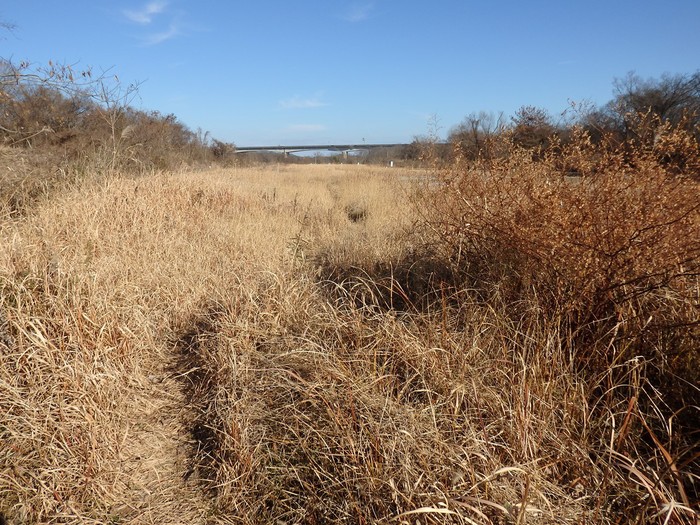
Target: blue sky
{"x":307,"y":72}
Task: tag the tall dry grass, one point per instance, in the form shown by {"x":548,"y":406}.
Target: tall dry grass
{"x":293,"y":345}
{"x":95,"y":279}
{"x":28,"y":176}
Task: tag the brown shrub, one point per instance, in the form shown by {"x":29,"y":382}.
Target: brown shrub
{"x":611,"y":255}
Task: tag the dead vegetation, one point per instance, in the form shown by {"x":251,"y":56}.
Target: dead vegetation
{"x":304,"y":344}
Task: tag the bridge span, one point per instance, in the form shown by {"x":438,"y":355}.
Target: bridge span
{"x":341,"y":148}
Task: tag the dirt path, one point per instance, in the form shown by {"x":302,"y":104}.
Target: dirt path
{"x":155,"y":456}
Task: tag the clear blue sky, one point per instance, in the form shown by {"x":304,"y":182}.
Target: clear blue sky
{"x":265,"y":72}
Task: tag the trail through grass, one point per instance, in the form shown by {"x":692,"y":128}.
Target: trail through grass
{"x":296,"y":346}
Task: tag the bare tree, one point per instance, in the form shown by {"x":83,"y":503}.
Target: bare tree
{"x":114,"y":101}
{"x":474,"y":135}
{"x":669,"y":97}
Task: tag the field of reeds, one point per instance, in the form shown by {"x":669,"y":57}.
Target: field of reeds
{"x":496,"y":342}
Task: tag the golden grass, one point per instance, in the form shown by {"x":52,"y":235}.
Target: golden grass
{"x":218,"y":347}
{"x":94,"y":281}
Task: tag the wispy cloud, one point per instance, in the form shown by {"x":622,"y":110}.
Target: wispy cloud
{"x":159,"y":38}
{"x":156,"y":14}
{"x":297,"y":102}
{"x":146,"y":14}
{"x":358,"y":12}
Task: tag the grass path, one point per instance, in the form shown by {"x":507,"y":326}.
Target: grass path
{"x":156,"y":452}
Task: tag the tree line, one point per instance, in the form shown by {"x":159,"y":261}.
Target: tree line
{"x":641,"y":114}
{"x":79,"y":115}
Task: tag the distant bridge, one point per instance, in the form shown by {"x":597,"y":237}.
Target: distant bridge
{"x":341,"y":148}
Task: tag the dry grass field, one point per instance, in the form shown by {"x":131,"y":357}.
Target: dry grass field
{"x":297,"y":344}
